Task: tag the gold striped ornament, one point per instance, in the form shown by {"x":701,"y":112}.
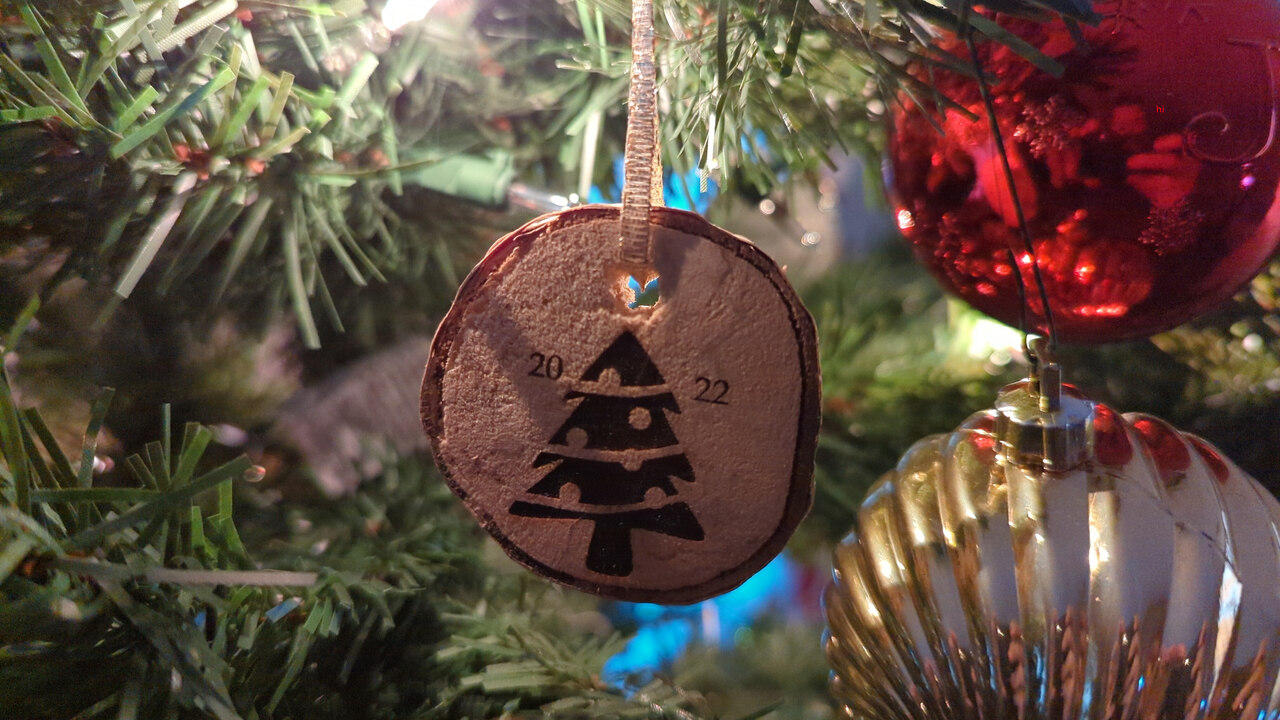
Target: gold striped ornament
{"x":1064,"y":563}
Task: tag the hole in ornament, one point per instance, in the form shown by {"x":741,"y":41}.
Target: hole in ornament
{"x":645,"y":295}
{"x":634,"y":289}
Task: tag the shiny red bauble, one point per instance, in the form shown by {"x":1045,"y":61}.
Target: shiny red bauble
{"x":1147,"y":172}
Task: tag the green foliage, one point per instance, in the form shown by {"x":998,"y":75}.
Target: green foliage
{"x":894,"y":371}
{"x":900,"y":362}
{"x":263,"y":152}
{"x":278,"y":156}
{"x":143,"y":601}
{"x":776,"y":670}
{"x":1210,"y":377}
{"x":200,"y":143}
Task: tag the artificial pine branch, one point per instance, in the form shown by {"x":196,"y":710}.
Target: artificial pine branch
{"x":896,"y":367}
{"x":99,"y":608}
{"x":163,"y":139}
{"x":183,"y":144}
{"x":144,"y":602}
{"x":408,"y":616}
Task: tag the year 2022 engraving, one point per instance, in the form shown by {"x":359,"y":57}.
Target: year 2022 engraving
{"x":601,"y":489}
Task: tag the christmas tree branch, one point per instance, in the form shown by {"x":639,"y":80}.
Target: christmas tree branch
{"x":143,"y":601}
{"x":156,"y":139}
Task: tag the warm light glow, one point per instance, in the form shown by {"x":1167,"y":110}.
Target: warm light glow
{"x":989,"y":337}
{"x":398,"y":13}
{"x":905,"y":220}
{"x":1106,"y":310}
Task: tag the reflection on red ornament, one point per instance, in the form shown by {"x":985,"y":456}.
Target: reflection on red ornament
{"x":1167,"y":449}
{"x":1111,"y":442}
{"x":1211,"y":458}
{"x":1149,"y":178}
{"x":1091,"y":279}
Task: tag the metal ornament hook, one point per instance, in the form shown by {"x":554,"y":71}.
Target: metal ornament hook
{"x":1046,"y":373}
{"x":1038,"y":425}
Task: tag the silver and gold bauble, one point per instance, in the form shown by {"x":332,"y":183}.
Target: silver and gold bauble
{"x":1053,"y":559}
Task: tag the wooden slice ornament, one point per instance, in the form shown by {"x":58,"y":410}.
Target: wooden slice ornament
{"x":657,"y":453}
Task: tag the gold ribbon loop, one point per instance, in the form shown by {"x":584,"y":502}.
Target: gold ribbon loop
{"x":642,"y":167}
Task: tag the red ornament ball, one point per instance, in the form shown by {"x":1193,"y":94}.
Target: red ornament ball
{"x":1147,"y":172}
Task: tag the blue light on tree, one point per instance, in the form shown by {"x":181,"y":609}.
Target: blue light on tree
{"x":689,"y":191}
{"x":667,"y":631}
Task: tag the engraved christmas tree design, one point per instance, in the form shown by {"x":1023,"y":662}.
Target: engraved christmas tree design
{"x":618,"y":419}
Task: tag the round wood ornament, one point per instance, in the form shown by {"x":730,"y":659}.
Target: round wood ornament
{"x":656,"y":453}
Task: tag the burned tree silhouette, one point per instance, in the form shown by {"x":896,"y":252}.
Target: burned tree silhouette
{"x":629,"y":419}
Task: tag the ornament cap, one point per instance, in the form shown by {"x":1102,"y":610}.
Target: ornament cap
{"x":1050,"y":430}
